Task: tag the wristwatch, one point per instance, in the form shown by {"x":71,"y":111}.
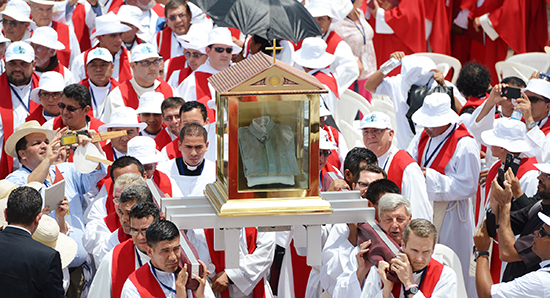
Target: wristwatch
{"x":531,"y":125}
{"x":411,"y":291}
{"x":478,"y":254}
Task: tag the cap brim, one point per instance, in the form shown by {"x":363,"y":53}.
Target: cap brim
{"x":116,"y":28}
{"x":103,"y":128}
{"x":17,"y":17}
{"x":421,"y":118}
{"x":56,"y":45}
{"x":152,"y":158}
{"x":315,"y":63}
{"x":543,"y":167}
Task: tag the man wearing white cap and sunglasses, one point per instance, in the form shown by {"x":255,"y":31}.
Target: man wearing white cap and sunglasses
{"x":194,"y":55}
{"x":109,"y":34}
{"x":47,"y":95}
{"x":220,"y":48}
{"x":398,"y":164}
{"x":45,"y":44}
{"x":449,"y":157}
{"x":16,"y":84}
{"x":42,"y":15}
{"x":16,"y":20}
{"x":149,"y":112}
{"x":123,"y":118}
{"x":145,"y":65}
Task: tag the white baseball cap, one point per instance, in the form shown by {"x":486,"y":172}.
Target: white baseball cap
{"x":150,"y":102}
{"x":313,"y":54}
{"x":131,"y":14}
{"x":324,"y":142}
{"x":99,"y":53}
{"x":143,"y":51}
{"x":378,"y":120}
{"x":195,"y":39}
{"x":20,"y":50}
{"x":123,"y":117}
{"x":19,"y":10}
{"x":50,"y":81}
{"x":144,"y":149}
{"x":107,"y":24}
{"x":222,"y":35}
{"x":539,"y":86}
{"x":507,"y":133}
{"x":47,"y":37}
{"x":435,"y":111}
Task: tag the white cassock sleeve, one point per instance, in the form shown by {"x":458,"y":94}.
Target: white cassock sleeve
{"x":188,"y":89}
{"x":174,"y":77}
{"x":129,"y":290}
{"x":113,"y":101}
{"x":413,"y":188}
{"x":335,"y":256}
{"x":529,"y":183}
{"x":476,"y":128}
{"x":540,"y":144}
{"x":97,"y":210}
{"x":101,"y":284}
{"x":344,"y":67}
{"x":78,"y":68}
{"x":253,"y":267}
{"x":105,"y":247}
{"x":534,"y":284}
{"x":95,"y":232}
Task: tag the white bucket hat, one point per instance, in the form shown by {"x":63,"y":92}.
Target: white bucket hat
{"x":436,"y":111}
{"x":540,"y":87}
{"x":313,"y":54}
{"x":131,"y":14}
{"x":507,"y":133}
{"x":22,"y":131}
{"x":143,"y":51}
{"x":324,"y":142}
{"x":416,"y":69}
{"x":322,"y":8}
{"x":50,"y":81}
{"x":195,"y":39}
{"x":543,"y":167}
{"x":150,"y":102}
{"x":48,"y":234}
{"x":107,"y":24}
{"x":19,"y":10}
{"x":47,"y":37}
{"x":99,"y":53}
{"x":144,"y":149}
{"x":123,"y":117}
{"x":378,"y":120}
{"x":44,"y":2}
{"x":20,"y":50}
{"x":222,"y":35}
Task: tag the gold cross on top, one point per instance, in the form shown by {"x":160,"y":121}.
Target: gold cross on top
{"x":274,"y":48}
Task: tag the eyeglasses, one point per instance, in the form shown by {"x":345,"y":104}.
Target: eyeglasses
{"x":182,"y":16}
{"x":46,"y":95}
{"x":71,"y":109}
{"x":362,"y":185}
{"x":533,"y":98}
{"x":38,"y":48}
{"x":116,"y":201}
{"x":325,"y":153}
{"x":146,"y":63}
{"x":376,"y":132}
{"x":171,"y":118}
{"x":194,"y":55}
{"x":135,"y":233}
{"x":547,"y":176}
{"x":220,"y":50}
{"x":11,"y":23}
{"x":542,"y":233}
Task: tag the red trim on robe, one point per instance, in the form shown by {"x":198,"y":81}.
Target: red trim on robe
{"x":36,"y":115}
{"x":164,"y":41}
{"x":333,"y":160}
{"x":81,"y":30}
{"x":163,"y":182}
{"x":173,"y":149}
{"x":64,"y":56}
{"x":86,"y":83}
{"x":203,"y":92}
{"x":112,"y":221}
{"x":131,"y":98}
{"x":329,"y":81}
{"x":399,"y":162}
{"x":175,"y":63}
{"x":146,"y":283}
{"x":546,"y":127}
{"x":162,"y":139}
{"x":124,"y":260}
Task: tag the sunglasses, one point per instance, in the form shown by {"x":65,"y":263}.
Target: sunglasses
{"x":535,"y":99}
{"x":146,"y":63}
{"x":220,"y":50}
{"x":11,"y":23}
{"x":194,"y":55}
{"x":542,"y":233}
{"x":71,"y":109}
{"x":325,"y":153}
{"x":181,"y":16}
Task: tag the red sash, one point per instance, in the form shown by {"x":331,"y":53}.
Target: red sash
{"x":333,"y":40}
{"x":432,"y":276}
{"x":203,"y":92}
{"x":328,"y":81}
{"x":163,"y":182}
{"x":162,"y":139}
{"x":175,"y":63}
{"x":146,"y":283}
{"x":58,"y":176}
{"x":60,"y":69}
{"x":159,"y":10}
{"x":300,"y":272}
{"x":86,"y":82}
{"x":131,"y":98}
{"x":333,"y":160}
{"x":62,"y":30}
{"x":124,"y":70}
{"x":546,"y":127}
{"x":109,"y":204}
{"x":164,"y":41}
{"x":115,"y":6}
{"x":218,"y":258}
{"x":400,"y":161}
{"x":184,"y":73}
{"x":81,"y":30}
{"x":6,"y":111}
{"x":123,"y":265}
{"x":112,"y":221}
{"x":173,"y":149}
{"x":473,"y":102}
{"x":36,"y":115}
{"x":447,"y":150}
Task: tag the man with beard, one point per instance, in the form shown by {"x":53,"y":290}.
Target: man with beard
{"x":15,"y":89}
{"x":523,"y":222}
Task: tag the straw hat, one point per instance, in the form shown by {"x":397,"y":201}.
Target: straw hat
{"x":50,"y":81}
{"x":436,"y":111}
{"x":222,"y":35}
{"x":123,"y":117}
{"x":24,"y":130}
{"x":378,"y":120}
{"x":150,"y":102}
{"x":6,"y":187}
{"x":507,"y":133}
{"x":313,"y":54}
{"x":46,"y":36}
{"x":144,"y":149}
{"x":48,"y":234}
{"x":107,"y":24}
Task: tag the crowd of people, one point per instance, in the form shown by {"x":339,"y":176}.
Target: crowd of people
{"x":462,"y":168}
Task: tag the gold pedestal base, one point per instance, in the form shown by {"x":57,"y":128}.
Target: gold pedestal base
{"x":217,"y":195}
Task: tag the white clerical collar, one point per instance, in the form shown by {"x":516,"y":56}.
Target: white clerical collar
{"x":140,"y":90}
{"x":100,"y":88}
{"x":22,"y":87}
{"x":190,"y":168}
{"x":542,"y":122}
{"x":118,"y":154}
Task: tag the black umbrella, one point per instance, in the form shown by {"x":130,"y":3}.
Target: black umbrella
{"x":269,"y":19}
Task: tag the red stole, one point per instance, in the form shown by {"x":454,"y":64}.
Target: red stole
{"x":62,"y":30}
{"x":115,"y":6}
{"x":545,"y":128}
{"x":123,"y":265}
{"x":473,"y":102}
{"x":36,"y":115}
{"x":399,"y":162}
{"x":447,"y":150}
{"x":203,"y":92}
{"x":300,"y":272}
{"x":163,"y":182}
{"x":333,"y":160}
{"x":329,"y":81}
{"x":59,"y":68}
{"x":162,"y":139}
{"x":109,"y":204}
{"x":174,"y":64}
{"x":81,"y":30}
{"x":164,"y":41}
{"x":124,"y":70}
{"x":159,"y":10}
{"x":333,"y":40}
{"x":218,"y":258}
{"x":437,"y":13}
{"x":184,"y":73}
{"x":86,"y":82}
{"x":6,"y":111}
{"x":432,"y":276}
{"x":173,"y":149}
{"x":131,"y":98}
{"x":146,"y":283}
{"x":112,"y":221}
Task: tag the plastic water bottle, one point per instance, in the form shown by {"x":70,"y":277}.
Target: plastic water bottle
{"x":389,"y":65}
{"x":516,"y":114}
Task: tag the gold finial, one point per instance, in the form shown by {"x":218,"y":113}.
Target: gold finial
{"x":274,"y":48}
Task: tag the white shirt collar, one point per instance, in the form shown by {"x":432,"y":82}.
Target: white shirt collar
{"x":544,"y":263}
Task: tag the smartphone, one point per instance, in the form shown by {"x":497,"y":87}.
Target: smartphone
{"x":500,"y":177}
{"x":491,"y":222}
{"x":544,"y":76}
{"x":512,"y":162}
{"x":510,"y":92}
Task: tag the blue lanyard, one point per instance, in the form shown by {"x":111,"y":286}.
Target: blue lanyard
{"x":386,"y":163}
{"x":46,"y":182}
{"x":427,"y":161}
{"x":114,"y":153}
{"x":94,"y":102}
{"x":362,"y":29}
{"x":139,"y":258}
{"x":26,"y":106}
{"x":160,"y":282}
